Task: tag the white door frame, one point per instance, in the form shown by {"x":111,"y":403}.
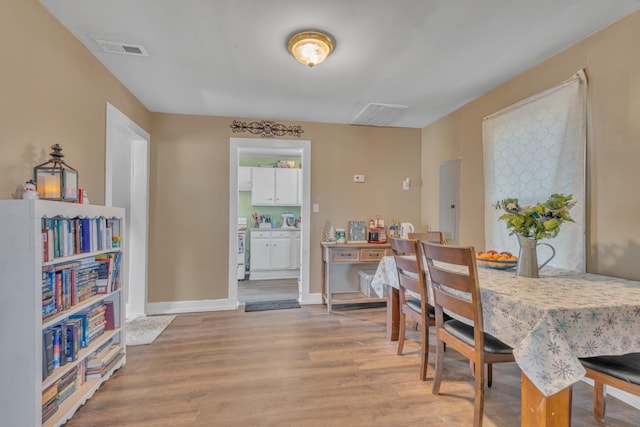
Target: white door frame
{"x":127,"y":185}
{"x":236,"y":144}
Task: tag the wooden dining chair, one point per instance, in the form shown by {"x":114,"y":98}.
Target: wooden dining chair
{"x":411,"y":278}
{"x":621,"y":372}
{"x":454,"y":278}
{"x":428,"y":236}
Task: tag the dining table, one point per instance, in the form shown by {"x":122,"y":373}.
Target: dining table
{"x":550,"y":321}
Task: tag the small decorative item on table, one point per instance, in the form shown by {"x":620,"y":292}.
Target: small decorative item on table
{"x":357,"y":232}
{"x":328,"y":233}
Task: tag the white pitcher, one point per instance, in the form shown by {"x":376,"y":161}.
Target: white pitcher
{"x":405,"y":229}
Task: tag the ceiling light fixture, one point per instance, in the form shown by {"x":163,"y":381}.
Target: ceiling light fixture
{"x":310,"y":47}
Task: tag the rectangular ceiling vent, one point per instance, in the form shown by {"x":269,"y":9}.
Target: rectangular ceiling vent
{"x":379,"y":114}
{"x":121,"y":48}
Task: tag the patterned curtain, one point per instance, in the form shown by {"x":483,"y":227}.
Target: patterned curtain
{"x":531,"y":150}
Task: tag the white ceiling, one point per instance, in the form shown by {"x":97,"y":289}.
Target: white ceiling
{"x":229,"y":57}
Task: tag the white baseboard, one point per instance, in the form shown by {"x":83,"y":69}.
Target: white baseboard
{"x":623,"y":396}
{"x":311,"y":299}
{"x":177,"y":307}
{"x":273,"y":274}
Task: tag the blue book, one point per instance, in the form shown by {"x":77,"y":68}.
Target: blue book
{"x":84,"y":335}
{"x":86,"y":235}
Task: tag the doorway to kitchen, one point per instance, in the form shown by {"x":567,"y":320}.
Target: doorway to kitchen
{"x":274,"y":223}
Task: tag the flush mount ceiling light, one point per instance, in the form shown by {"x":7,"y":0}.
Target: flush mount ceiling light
{"x":310,"y":47}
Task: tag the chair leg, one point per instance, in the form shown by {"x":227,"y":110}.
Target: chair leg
{"x":472,"y":367}
{"x":439,"y":366}
{"x":478,"y":408}
{"x":599,"y":401}
{"x":401,"y":332}
{"x":424,"y":353}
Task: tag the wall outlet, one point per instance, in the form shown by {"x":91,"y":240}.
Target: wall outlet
{"x":358,"y":178}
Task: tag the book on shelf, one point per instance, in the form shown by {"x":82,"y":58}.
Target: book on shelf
{"x":49,"y":393}
{"x":56,"y":348}
{"x":61,"y":331}
{"x":110,"y":280}
{"x":74,"y":337}
{"x":47,"y":353}
{"x":104,"y":274}
{"x":49,"y":409}
{"x":67,"y":384}
{"x":85,"y":240}
{"x":109,"y":316}
{"x":48,"y":293}
{"x":69,"y":236}
{"x":103,"y":361}
{"x":82,"y":317}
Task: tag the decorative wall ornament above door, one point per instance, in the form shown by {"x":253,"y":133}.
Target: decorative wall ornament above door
{"x":266,"y":128}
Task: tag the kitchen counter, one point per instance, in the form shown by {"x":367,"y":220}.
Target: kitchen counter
{"x":274,"y":253}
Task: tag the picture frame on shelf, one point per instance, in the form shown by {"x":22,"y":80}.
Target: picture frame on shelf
{"x":357,"y":232}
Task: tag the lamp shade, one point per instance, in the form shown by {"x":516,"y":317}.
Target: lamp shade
{"x":310,"y":47}
{"x":55,"y":180}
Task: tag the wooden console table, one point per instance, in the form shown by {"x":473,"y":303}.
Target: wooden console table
{"x":344,"y":259}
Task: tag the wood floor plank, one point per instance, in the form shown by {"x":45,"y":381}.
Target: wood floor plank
{"x":303,"y":367}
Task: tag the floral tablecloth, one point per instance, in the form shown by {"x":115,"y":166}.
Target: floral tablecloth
{"x":553,"y":320}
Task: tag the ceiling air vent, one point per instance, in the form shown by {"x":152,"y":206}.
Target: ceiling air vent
{"x":121,"y":48}
{"x":379,"y":114}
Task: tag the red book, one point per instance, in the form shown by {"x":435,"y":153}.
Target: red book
{"x":45,"y":246}
{"x":109,"y":316}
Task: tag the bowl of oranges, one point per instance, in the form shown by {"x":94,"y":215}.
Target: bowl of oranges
{"x":496,"y":260}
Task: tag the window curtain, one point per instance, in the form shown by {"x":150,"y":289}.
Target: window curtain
{"x":531,"y":150}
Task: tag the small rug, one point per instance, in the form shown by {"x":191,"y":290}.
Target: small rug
{"x":144,"y":330}
{"x":271,"y":305}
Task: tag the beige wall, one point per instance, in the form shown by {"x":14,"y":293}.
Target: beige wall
{"x":52,"y":90}
{"x":611,"y":60}
{"x":190,"y":194}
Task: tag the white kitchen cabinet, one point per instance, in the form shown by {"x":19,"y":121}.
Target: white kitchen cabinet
{"x":263,"y":181}
{"x":244,"y":178}
{"x":271,"y":254}
{"x":260,"y":250}
{"x":286,"y":188}
{"x":274,"y":186}
{"x":280,"y":250}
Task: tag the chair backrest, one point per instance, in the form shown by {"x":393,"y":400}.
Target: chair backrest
{"x":409,"y":266}
{"x":454,"y":279}
{"x":428,"y":236}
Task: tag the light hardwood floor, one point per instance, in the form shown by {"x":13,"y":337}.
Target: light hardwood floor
{"x":302,"y":367}
{"x":267,"y":290}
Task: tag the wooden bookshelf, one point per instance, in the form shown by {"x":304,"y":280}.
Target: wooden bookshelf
{"x":22,"y":259}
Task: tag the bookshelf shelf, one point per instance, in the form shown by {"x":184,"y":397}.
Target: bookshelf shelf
{"x":34,"y":281}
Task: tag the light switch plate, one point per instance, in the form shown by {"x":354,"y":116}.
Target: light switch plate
{"x":358,"y":178}
{"x":406,"y":184}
